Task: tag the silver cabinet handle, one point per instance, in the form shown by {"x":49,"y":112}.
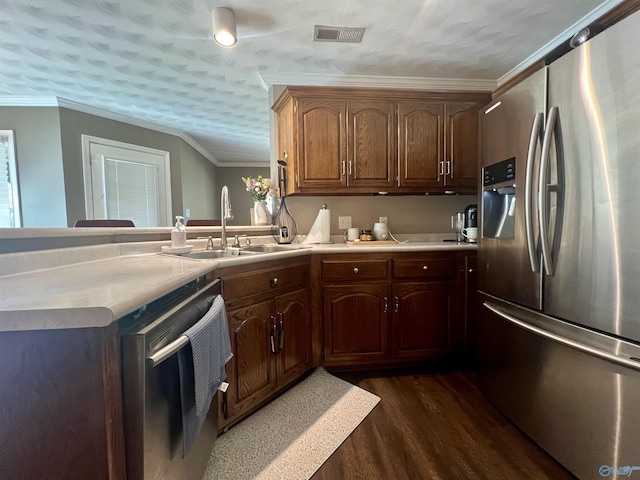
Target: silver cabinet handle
{"x":285,"y":155}
{"x":344,"y":166}
{"x":396,"y":307}
{"x":356,"y":269}
{"x":425,"y":267}
{"x":449,"y":168}
{"x":536,"y":133}
{"x":471,"y":270}
{"x":281,"y":342}
{"x":386,"y":305}
{"x":274,"y":282}
{"x":543,"y":190}
{"x":349,"y":169}
{"x":564,"y":341}
{"x":441,"y":168}
{"x":272,"y":335}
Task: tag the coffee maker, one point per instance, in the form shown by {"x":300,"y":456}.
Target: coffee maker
{"x":471,"y":221}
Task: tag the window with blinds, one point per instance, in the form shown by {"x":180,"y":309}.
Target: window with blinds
{"x":9,"y":193}
{"x":126,"y":182}
{"x":131,"y":192}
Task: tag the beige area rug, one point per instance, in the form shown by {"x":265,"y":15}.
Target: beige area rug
{"x":291,"y":437}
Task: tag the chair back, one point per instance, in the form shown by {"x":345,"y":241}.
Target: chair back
{"x":204,"y":223}
{"x":104,"y":223}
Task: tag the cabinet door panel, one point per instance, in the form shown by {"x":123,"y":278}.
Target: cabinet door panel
{"x":355,"y":323}
{"x":372,"y":149}
{"x":322,"y":143}
{"x":286,"y":144}
{"x":471,"y":307}
{"x":422,"y":319}
{"x":295,"y":357}
{"x":252,"y":371}
{"x":462,"y":145}
{"x":420,"y":126}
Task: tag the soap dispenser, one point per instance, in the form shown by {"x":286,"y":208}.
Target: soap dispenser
{"x":179,"y":234}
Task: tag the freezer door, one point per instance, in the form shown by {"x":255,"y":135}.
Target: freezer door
{"x":594,"y":247}
{"x":506,"y":131}
{"x":573,"y":391}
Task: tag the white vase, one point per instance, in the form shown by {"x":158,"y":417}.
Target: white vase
{"x":260,"y":213}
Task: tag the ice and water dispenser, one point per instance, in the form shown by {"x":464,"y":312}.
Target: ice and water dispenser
{"x":499,"y":199}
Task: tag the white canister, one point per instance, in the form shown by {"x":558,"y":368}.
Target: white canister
{"x":381,"y":231}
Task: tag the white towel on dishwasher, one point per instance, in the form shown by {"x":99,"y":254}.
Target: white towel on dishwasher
{"x":202,"y":368}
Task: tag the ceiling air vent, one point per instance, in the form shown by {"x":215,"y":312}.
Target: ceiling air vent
{"x":322,"y":33}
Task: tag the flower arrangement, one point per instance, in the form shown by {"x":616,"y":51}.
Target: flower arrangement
{"x":259,"y":188}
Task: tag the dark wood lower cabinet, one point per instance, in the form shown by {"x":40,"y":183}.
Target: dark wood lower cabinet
{"x":423,"y":319}
{"x":271,"y":344}
{"x":356,"y":322}
{"x":60,"y":405}
{"x":383,"y":309}
{"x":252,"y":370}
{"x":294,"y":359}
{"x":270,"y":328}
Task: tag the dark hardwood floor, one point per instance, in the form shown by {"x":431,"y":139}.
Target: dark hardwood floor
{"x":434,"y":426}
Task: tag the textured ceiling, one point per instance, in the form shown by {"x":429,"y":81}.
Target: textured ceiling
{"x":153,"y":59}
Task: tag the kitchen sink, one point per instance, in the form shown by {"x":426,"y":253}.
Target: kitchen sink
{"x":269,"y":248}
{"x":217,"y":253}
{"x":246,"y":251}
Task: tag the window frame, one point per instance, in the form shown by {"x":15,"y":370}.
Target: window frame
{"x":10,"y":136}
{"x":88,"y":140}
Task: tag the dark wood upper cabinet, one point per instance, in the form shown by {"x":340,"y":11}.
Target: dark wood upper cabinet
{"x":372,"y":144}
{"x":363,"y":141}
{"x":420,"y":126}
{"x":322,"y":144}
{"x":461,"y":140}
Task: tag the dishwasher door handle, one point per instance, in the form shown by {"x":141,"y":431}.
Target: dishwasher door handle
{"x":165,"y":352}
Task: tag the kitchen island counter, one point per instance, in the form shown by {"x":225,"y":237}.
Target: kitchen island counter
{"x":94,"y":286}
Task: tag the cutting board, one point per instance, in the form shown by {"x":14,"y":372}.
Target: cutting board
{"x":372,"y":243}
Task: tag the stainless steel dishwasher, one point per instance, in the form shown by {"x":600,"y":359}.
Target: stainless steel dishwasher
{"x":150,"y":338}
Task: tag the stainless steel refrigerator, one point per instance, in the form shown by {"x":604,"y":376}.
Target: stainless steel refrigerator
{"x":559,"y":255}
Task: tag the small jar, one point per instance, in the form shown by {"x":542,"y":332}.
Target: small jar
{"x":366,"y":236}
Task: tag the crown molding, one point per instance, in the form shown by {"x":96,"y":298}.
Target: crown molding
{"x":543,"y":51}
{"x":191,"y":141}
{"x":27,"y":101}
{"x":244,"y":164}
{"x":39,"y":101}
{"x":369,"y":81}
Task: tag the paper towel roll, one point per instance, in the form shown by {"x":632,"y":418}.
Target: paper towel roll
{"x":321,"y":229}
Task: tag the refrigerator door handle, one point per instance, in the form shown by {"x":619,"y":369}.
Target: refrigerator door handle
{"x":536,"y":134}
{"x":543,"y":189}
{"x":565,"y":341}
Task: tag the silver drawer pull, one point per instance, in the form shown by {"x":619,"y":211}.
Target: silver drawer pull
{"x":274,"y":282}
{"x":471,"y":270}
{"x":356,"y":269}
{"x":425,"y":268}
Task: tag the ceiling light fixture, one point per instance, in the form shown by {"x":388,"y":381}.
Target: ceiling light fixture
{"x":224,"y":27}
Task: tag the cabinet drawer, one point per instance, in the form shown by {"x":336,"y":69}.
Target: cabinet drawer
{"x":275,"y":280}
{"x":424,"y":268}
{"x":349,"y":270}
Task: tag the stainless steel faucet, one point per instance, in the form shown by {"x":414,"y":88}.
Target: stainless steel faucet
{"x":225,"y":207}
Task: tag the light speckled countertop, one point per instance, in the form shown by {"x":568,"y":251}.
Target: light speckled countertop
{"x":94,"y":286}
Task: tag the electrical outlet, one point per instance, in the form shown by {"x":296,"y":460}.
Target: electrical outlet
{"x":344,"y":222}
{"x":383,"y":220}
{"x":187,"y":212}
